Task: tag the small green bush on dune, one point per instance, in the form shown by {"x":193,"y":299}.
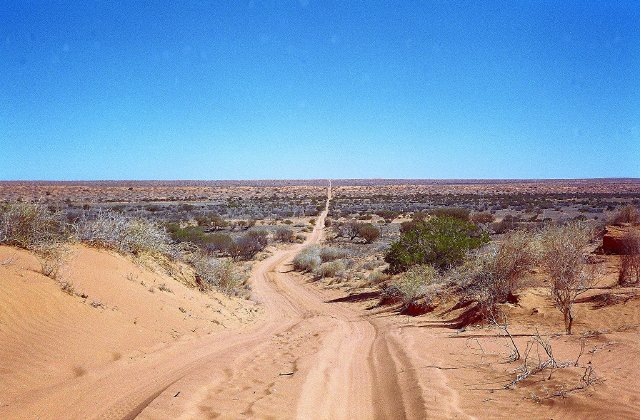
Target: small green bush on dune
{"x":441,"y":241}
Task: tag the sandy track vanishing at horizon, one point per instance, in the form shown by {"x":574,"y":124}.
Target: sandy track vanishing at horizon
{"x":310,"y":359}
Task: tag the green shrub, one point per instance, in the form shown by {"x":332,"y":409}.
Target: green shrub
{"x":440,"y":241}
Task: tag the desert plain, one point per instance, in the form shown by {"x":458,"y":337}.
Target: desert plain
{"x":104,"y":330}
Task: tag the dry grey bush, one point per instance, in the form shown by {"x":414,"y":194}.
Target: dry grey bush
{"x":376,"y":277}
{"x":307,"y":259}
{"x":329,"y":268}
{"x":32,"y":226}
{"x":284,"y":234}
{"x":130,"y":236}
{"x":29,"y":225}
{"x":419,"y":282}
{"x":565,"y":262}
{"x":220,"y":274}
{"x":630,"y":261}
{"x":332,"y":253}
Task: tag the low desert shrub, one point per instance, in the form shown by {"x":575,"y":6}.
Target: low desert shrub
{"x":368,"y":232}
{"x":414,"y":284}
{"x":627,"y":214}
{"x":481,"y":218}
{"x":376,"y":277}
{"x":329,"y":269}
{"x":493,"y":274}
{"x":29,"y":225}
{"x":193,"y":234}
{"x":219,"y":274}
{"x":52,"y":256}
{"x":630,"y":261}
{"x":218,"y":242}
{"x":353,"y":229}
{"x":508,"y":223}
{"x":129,"y":236}
{"x":248,"y":245}
{"x":388,"y":215}
{"x":307,"y":259}
{"x":284,"y":234}
{"x":331,"y":254}
{"x":455,"y":212}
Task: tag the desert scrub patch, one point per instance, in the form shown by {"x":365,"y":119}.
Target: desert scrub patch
{"x":376,"y":277}
{"x":307,"y":259}
{"x":219,"y":274}
{"x":30,"y":225}
{"x":331,"y":253}
{"x":329,"y":269}
{"x":52,"y":256}
{"x":128,"y":236}
{"x":419,"y":282}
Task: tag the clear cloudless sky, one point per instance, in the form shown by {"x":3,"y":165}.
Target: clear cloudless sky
{"x":319,"y":89}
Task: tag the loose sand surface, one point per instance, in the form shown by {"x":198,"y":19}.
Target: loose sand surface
{"x":300,"y":351}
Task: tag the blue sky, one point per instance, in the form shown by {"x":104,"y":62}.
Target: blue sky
{"x":319,"y":89}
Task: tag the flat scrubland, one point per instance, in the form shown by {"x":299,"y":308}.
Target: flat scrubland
{"x":282,"y":299}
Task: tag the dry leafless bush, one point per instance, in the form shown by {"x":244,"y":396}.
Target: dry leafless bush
{"x":565,"y":262}
{"x":52,"y":256}
{"x":493,"y":274}
{"x":627,"y":214}
{"x":29,"y":225}
{"x":219,"y":274}
{"x":630,"y":260}
{"x":546,"y":361}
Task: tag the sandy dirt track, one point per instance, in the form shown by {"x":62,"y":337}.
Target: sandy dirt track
{"x":309,"y":359}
